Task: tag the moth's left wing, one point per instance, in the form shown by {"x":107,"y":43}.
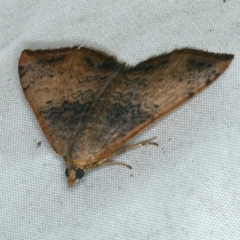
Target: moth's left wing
{"x":140,"y":95}
{"x":62,"y":86}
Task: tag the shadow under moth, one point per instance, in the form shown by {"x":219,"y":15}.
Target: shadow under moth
{"x":89,"y":105}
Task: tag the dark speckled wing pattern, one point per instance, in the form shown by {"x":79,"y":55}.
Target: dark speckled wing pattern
{"x":89,"y":105}
{"x":62,"y":87}
{"x":139,"y":95}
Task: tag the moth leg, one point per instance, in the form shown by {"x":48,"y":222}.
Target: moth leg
{"x":149,"y":141}
{"x":104,"y":162}
{"x":117,"y":163}
{"x":124,"y":149}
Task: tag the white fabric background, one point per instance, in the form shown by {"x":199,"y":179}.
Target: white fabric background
{"x":187,"y":188}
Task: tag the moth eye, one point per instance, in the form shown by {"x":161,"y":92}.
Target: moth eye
{"x":79,"y":173}
{"x":67,"y":172}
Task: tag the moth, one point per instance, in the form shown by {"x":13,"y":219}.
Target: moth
{"x":89,"y":105}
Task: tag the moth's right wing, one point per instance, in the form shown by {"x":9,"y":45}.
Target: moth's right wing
{"x":140,"y":95}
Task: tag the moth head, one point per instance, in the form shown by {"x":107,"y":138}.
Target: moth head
{"x":74,"y":174}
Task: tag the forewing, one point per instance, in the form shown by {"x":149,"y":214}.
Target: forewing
{"x":62,"y":87}
{"x":140,"y":95}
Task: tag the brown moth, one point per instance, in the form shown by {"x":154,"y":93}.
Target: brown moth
{"x":89,"y":104}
